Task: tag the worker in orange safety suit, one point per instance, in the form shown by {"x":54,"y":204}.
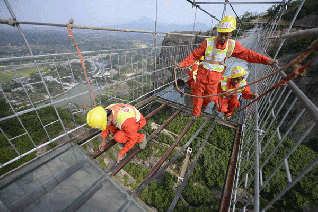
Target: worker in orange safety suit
{"x":123,"y":120}
{"x":228,"y":102}
{"x":215,"y":51}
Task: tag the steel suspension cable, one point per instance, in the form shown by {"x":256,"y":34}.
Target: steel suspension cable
{"x":224,"y":11}
{"x":235,"y":12}
{"x":195,"y":18}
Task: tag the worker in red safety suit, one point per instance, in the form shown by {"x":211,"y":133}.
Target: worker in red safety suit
{"x":215,"y":51}
{"x":123,"y":120}
{"x":228,"y":102}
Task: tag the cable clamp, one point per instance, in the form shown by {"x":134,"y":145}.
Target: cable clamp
{"x":189,"y":150}
{"x":12,"y":22}
{"x":180,"y":178}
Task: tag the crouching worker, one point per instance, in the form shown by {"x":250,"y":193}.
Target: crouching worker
{"x":123,"y":120}
{"x":228,"y":102}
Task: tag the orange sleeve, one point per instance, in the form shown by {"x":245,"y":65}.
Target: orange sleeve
{"x":109,"y":129}
{"x":246,"y":93}
{"x":248,"y":55}
{"x":104,"y":133}
{"x":195,"y":55}
{"x":130,"y":126}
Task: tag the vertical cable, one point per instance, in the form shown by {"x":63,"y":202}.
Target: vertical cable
{"x":195,"y":18}
{"x":224,"y":11}
{"x":155,"y":37}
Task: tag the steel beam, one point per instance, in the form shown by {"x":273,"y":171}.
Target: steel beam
{"x":161,"y":161}
{"x":186,"y":178}
{"x":195,"y":4}
{"x":85,"y":136}
{"x":108,"y":145}
{"x":230,"y":174}
{"x":161,"y":171}
{"x":75,"y":26}
{"x":300,"y":33}
{"x":122,"y":163}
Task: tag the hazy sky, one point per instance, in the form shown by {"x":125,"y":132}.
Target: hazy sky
{"x":105,"y":12}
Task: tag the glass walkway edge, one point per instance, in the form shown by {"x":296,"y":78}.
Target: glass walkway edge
{"x":64,"y":180}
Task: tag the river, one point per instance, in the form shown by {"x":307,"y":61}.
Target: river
{"x":81,"y":100}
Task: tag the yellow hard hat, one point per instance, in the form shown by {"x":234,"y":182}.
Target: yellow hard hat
{"x":202,"y":58}
{"x":97,"y":118}
{"x":238,"y":71}
{"x":227,"y":24}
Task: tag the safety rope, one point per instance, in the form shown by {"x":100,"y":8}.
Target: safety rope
{"x":81,"y":58}
{"x":298,"y":70}
{"x":308,"y":51}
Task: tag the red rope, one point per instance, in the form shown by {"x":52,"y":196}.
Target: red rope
{"x":81,"y":58}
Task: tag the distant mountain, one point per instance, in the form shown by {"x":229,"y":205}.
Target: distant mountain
{"x":149,"y":25}
{"x":143,"y":20}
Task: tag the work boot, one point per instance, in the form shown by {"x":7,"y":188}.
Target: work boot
{"x":194,"y":118}
{"x":143,"y":144}
{"x":227,"y":115}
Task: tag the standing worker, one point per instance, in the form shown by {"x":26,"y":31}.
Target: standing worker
{"x":215,"y":51}
{"x":123,"y":120}
{"x":228,"y":102}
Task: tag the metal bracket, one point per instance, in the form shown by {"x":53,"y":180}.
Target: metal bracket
{"x":180,"y":179}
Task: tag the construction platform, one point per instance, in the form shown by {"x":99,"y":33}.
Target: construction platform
{"x":65,"y":179}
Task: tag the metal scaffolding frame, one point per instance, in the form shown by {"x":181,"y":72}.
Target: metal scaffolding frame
{"x":262,"y":130}
{"x":269,"y":115}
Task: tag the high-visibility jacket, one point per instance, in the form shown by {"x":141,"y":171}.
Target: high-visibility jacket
{"x":226,"y":85}
{"x":205,"y":75}
{"x":121,"y":112}
{"x":217,"y":56}
{"x":193,"y":70}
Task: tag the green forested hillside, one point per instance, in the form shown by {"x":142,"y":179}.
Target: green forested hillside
{"x":12,"y":128}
